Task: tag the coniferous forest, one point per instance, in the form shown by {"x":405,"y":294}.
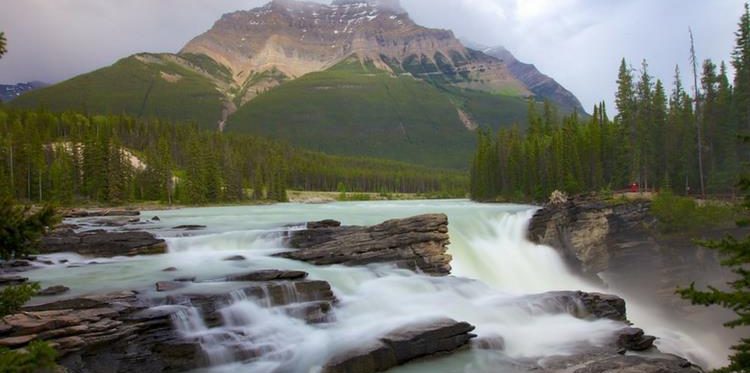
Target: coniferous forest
{"x":72,"y":158}
{"x":677,"y":138}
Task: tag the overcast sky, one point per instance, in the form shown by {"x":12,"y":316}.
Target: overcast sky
{"x":577,"y":42}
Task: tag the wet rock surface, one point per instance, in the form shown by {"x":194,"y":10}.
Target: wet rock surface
{"x":131,"y":332}
{"x":100,"y":243}
{"x":84,"y":213}
{"x":402,"y":345}
{"x":417,"y":243}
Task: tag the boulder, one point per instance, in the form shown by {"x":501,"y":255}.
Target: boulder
{"x":101,"y":243}
{"x":234,"y":258}
{"x":169,"y":285}
{"x":53,"y":290}
{"x":190,"y":227}
{"x":328,"y":223}
{"x":591,"y":306}
{"x":267,"y":275}
{"x":634,"y":339}
{"x":417,"y":243}
{"x":402,"y":345}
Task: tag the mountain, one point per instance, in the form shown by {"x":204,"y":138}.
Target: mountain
{"x":357,"y":77}
{"x":11,"y":91}
{"x":542,"y":86}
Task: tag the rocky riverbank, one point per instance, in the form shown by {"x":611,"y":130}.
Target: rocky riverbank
{"x":180,"y":325}
{"x":618,"y":246}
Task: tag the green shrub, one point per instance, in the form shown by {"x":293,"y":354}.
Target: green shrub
{"x":20,"y":229}
{"x":676,"y":214}
{"x":12,"y":298}
{"x":37,"y":356}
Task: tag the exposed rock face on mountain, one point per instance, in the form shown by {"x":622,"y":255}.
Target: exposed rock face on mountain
{"x":417,"y":243}
{"x":541,"y":85}
{"x":287,"y":39}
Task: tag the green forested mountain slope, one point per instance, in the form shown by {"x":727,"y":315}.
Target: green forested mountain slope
{"x":143,"y":85}
{"x":353,"y":109}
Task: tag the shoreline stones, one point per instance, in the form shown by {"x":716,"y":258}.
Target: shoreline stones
{"x":418,"y":243}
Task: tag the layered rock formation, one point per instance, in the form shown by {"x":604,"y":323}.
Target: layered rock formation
{"x":583,"y":229}
{"x":287,"y":39}
{"x":101,"y":243}
{"x":417,"y":243}
{"x":126,"y":331}
{"x":541,"y":85}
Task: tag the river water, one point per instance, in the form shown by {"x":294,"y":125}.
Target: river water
{"x":495,"y":270}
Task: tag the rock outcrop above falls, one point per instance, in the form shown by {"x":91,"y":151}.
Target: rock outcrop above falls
{"x":417,"y":243}
{"x":583,"y":228}
{"x":100,"y":243}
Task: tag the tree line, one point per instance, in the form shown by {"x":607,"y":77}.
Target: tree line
{"x":686,"y":142}
{"x":71,"y":157}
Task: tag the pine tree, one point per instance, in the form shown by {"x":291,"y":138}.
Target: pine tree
{"x":3,"y":43}
{"x":61,"y":177}
{"x":741,"y":63}
{"x":736,"y":256}
{"x":258,"y":184}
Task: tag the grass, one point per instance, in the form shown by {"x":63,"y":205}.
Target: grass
{"x":684,"y":214}
{"x":133,"y":87}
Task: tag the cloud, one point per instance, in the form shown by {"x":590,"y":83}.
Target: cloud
{"x":577,"y":42}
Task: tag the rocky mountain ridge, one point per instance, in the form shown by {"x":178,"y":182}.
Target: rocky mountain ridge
{"x":353,"y":78}
{"x":286,"y":39}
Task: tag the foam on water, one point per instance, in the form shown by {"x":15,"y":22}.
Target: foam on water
{"x":497,"y":267}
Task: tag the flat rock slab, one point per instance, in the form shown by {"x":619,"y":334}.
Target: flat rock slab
{"x":102,"y":244}
{"x":80,"y":213}
{"x":417,"y":243}
{"x":268,"y":275}
{"x":403,"y":345}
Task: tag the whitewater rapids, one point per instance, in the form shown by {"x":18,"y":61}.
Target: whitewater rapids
{"x":495,"y":268}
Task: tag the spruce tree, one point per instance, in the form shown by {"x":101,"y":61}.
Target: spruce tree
{"x":3,"y":44}
{"x":736,"y":256}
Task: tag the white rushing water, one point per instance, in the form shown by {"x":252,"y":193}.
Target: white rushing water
{"x":495,"y":268}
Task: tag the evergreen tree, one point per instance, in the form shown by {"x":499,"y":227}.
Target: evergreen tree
{"x":741,"y":63}
{"x":736,"y":256}
{"x":3,"y":43}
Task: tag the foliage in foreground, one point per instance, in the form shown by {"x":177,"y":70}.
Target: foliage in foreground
{"x":12,"y":298}
{"x":736,"y":256}
{"x":37,"y":356}
{"x":20,"y":229}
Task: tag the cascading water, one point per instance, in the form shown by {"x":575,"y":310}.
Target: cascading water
{"x":496,"y":269}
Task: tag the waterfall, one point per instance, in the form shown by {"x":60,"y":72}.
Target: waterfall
{"x":500,"y":255}
{"x":496,"y":269}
